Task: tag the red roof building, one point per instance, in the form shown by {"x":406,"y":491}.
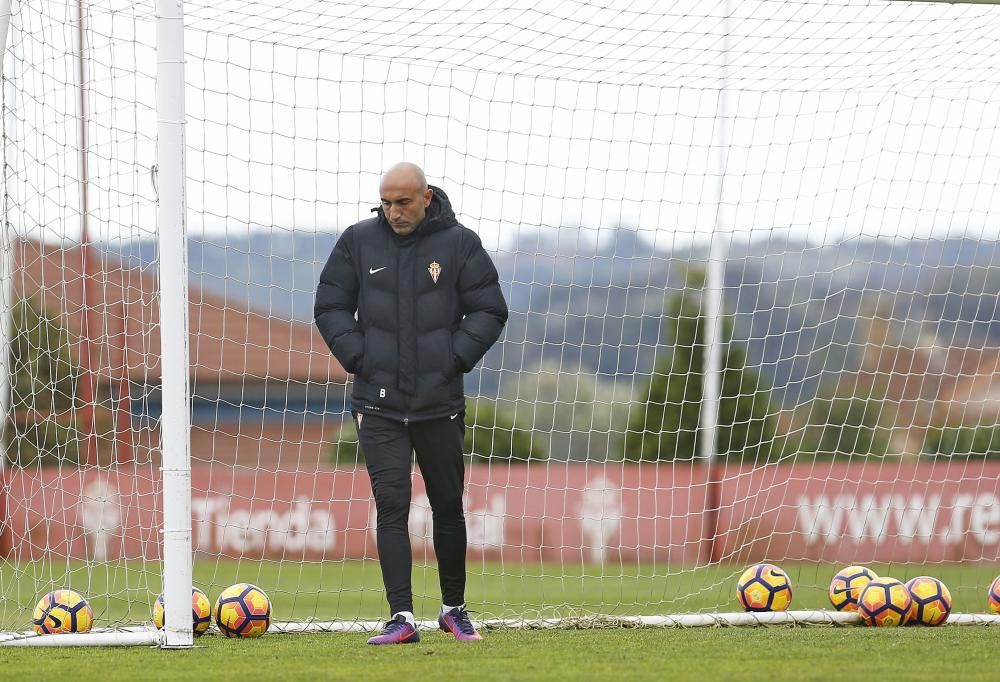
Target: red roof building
{"x":265,"y":389}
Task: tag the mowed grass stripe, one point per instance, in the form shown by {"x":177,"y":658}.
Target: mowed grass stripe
{"x":125,"y":592}
{"x":780,"y":653}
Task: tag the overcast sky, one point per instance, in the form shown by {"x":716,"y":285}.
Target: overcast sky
{"x":838,"y":119}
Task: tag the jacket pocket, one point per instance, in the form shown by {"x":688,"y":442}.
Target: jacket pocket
{"x":362,"y":368}
{"x":451,"y":369}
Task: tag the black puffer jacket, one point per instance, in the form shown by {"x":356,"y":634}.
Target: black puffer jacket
{"x":428,"y":306}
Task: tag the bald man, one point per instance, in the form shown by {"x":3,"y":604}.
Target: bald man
{"x":409,"y":301}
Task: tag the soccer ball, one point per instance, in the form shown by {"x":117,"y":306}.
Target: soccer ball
{"x":884,"y":602}
{"x":201,"y":612}
{"x":243,"y":610}
{"x":993,"y":600}
{"x":846,"y":586}
{"x":764,"y":587}
{"x":62,"y":611}
{"x":931,"y":601}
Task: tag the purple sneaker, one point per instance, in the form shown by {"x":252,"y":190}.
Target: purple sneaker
{"x":457,"y":623}
{"x":397,"y":631}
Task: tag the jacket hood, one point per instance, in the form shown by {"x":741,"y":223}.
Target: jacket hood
{"x":440,"y":214}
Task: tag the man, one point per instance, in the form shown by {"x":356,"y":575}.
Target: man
{"x":408,"y":302}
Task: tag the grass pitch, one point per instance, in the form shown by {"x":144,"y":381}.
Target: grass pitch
{"x":814,"y":653}
{"x":352,"y":590}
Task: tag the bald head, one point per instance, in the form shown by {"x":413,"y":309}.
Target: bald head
{"x":405,"y":173}
{"x":405,"y":197}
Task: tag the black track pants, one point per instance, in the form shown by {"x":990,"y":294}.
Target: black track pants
{"x":388,"y":447}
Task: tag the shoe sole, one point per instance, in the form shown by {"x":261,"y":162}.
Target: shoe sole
{"x":412,"y":638}
{"x":445,"y":628}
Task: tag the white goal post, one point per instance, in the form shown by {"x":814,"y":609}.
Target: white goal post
{"x":172,"y":240}
{"x":751,"y":253}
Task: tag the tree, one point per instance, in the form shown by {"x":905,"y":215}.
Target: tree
{"x":844,"y":426}
{"x":44,"y":379}
{"x":665,"y":425}
{"x":44,"y":374}
{"x":491,"y":434}
{"x":576,"y":414}
{"x":981,"y":441}
{"x":345,"y":450}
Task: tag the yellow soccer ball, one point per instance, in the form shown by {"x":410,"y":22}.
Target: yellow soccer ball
{"x":846,"y":586}
{"x":62,"y":611}
{"x":993,"y":599}
{"x":764,"y":587}
{"x":884,"y":602}
{"x":931,"y":601}
{"x":243,"y":610}
{"x":201,"y":612}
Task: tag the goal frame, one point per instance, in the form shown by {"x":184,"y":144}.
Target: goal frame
{"x":176,"y":396}
{"x":174,"y":329}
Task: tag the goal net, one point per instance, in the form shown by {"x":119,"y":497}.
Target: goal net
{"x":750,"y":252}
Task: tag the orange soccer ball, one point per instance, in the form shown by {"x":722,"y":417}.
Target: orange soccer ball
{"x":846,"y":586}
{"x":243,"y":610}
{"x":931,"y":601}
{"x":885,"y":602}
{"x":993,"y":599}
{"x":201,"y":612}
{"x":764,"y":587}
{"x":62,"y":611}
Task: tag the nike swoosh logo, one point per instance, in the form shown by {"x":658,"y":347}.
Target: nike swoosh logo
{"x":453,"y":416}
{"x":372,"y":271}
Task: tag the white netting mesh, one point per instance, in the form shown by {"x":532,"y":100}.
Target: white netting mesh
{"x":854,"y":210}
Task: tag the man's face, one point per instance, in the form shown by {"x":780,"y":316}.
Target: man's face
{"x":404,"y":202}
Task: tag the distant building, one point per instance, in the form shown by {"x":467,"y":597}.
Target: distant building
{"x":265,"y":389}
{"x":923,"y":382}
